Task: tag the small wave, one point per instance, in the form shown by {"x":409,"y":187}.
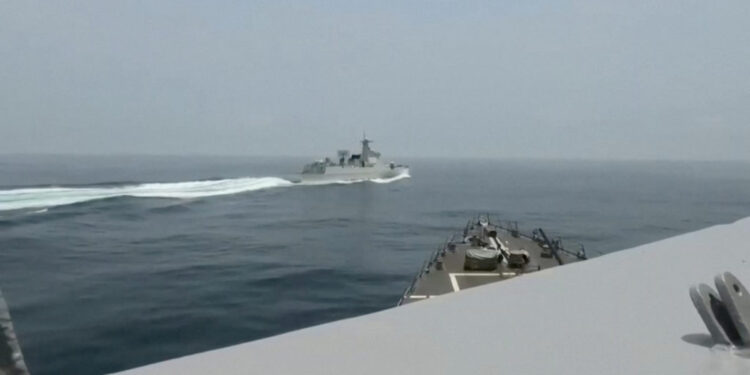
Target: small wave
{"x":44,"y":197}
{"x":391,"y":179}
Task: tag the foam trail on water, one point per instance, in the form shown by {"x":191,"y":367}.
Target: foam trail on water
{"x":17,"y":199}
{"x":28,"y":198}
{"x":391,"y":179}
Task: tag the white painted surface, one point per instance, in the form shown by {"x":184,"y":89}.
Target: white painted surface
{"x":623,"y":313}
{"x":454,"y":277}
{"x":454,"y":283}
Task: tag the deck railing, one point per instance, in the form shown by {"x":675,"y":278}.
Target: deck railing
{"x":434,"y":258}
{"x":555,"y":245}
{"x":511,"y":226}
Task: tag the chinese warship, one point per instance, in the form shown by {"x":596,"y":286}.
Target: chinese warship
{"x":353,"y":167}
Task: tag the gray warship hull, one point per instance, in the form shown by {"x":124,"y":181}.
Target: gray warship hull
{"x":337,"y":173}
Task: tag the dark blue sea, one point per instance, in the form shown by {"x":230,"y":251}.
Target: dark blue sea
{"x":109,"y":263}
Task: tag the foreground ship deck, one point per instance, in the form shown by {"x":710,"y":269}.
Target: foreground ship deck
{"x":622,"y":313}
{"x":446,"y":272}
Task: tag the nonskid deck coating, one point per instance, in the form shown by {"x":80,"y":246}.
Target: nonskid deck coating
{"x":453,"y":277}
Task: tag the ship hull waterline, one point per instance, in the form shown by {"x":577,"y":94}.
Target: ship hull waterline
{"x":355,"y":174}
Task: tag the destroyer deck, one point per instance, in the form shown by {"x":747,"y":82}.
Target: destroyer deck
{"x":444,"y":271}
{"x":625,"y":316}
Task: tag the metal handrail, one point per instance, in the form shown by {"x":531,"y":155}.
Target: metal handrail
{"x":434,"y":255}
{"x":508,"y":226}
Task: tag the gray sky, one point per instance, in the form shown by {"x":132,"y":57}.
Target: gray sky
{"x":573,"y":79}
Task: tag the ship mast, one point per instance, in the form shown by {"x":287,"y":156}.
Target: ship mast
{"x":365,"y":148}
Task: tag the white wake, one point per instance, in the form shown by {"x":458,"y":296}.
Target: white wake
{"x":391,"y":179}
{"x":45,"y":197}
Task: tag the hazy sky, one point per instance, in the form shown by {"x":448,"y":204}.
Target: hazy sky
{"x":573,"y":79}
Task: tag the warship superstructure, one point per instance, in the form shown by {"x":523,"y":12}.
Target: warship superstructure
{"x":351,"y":167}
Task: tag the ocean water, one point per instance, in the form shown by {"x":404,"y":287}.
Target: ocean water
{"x":109,"y":263}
